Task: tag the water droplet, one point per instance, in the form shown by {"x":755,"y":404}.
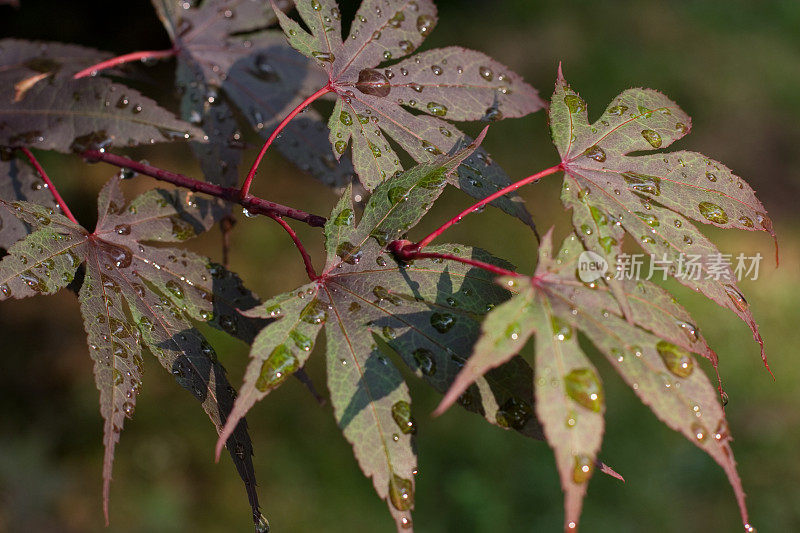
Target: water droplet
{"x":652,"y":137}
{"x":128,"y":408}
{"x":486,"y":73}
{"x":425,"y":24}
{"x":582,"y":471}
{"x":617,"y":110}
{"x":401,"y":493}
{"x":280,"y":364}
{"x":373,"y":82}
{"x":699,"y":431}
{"x":315,"y":312}
{"x":442,"y":322}
{"x":401,"y":414}
{"x":643,"y":183}
{"x":326,"y":57}
{"x":650,"y":220}
{"x":438,"y":110}
{"x":181,"y":229}
{"x":514,"y":413}
{"x":689,"y":329}
{"x":261,"y":524}
{"x":596,"y":153}
{"x":583,"y":386}
{"x":175,"y":288}
{"x":574,"y":103}
{"x":676,"y":359}
{"x":746,"y":221}
{"x":713,"y":212}
{"x":425,"y":361}
{"x":736,"y":297}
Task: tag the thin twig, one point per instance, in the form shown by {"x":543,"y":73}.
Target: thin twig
{"x":250,"y":175}
{"x":312,"y":274}
{"x":254,"y":205}
{"x":127,"y":58}
{"x":49,"y":184}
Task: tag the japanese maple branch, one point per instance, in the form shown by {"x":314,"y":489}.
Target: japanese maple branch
{"x":250,"y":175}
{"x":127,"y":58}
{"x":49,"y":184}
{"x":312,"y":275}
{"x":253,"y":204}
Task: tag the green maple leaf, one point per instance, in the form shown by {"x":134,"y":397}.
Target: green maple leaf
{"x":651,"y":197}
{"x":41,"y":106}
{"x":375,"y":311}
{"x":411,"y":101}
{"x":651,"y":352}
{"x":138,"y":296}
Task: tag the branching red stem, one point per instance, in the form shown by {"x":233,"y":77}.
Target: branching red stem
{"x":253,"y":204}
{"x":312,"y":275}
{"x":59,"y":200}
{"x":404,"y":252}
{"x":513,"y":187}
{"x":127,"y":58}
{"x":250,"y":175}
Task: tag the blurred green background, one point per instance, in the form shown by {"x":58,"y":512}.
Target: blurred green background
{"x":733,"y":65}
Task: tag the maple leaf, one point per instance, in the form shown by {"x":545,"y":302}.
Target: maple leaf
{"x":410,"y":101}
{"x":139,"y":296}
{"x":43,"y":107}
{"x":19,"y":181}
{"x":652,"y":197}
{"x":375,"y":310}
{"x":652,"y":353}
{"x":226,"y":60}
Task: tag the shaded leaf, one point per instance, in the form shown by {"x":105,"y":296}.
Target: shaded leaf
{"x":653,"y":355}
{"x":410,"y":101}
{"x":136,"y":295}
{"x":43,"y":107}
{"x":19,"y":181}
{"x":228,"y":60}
{"x":652,"y":197}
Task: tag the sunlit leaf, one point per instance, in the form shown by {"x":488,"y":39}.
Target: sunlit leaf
{"x":652,"y":197}
{"x":653,"y":355}
{"x":411,"y":101}
{"x":139,"y":296}
{"x":377,"y":312}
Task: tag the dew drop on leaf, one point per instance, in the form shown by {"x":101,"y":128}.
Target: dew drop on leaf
{"x":401,"y":493}
{"x":280,"y":364}
{"x":442,"y":322}
{"x":424,"y":360}
{"x":583,"y":468}
{"x":315,"y":312}
{"x":676,"y":359}
{"x":713,"y":212}
{"x":583,"y":386}
{"x":373,"y":82}
{"x":401,"y":414}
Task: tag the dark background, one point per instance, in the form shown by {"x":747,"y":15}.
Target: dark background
{"x":733,"y":65}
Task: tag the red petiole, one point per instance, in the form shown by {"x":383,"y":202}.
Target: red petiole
{"x":49,"y":184}
{"x":245,"y":192}
{"x":312,"y":275}
{"x":407,"y":250}
{"x":121,"y":60}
